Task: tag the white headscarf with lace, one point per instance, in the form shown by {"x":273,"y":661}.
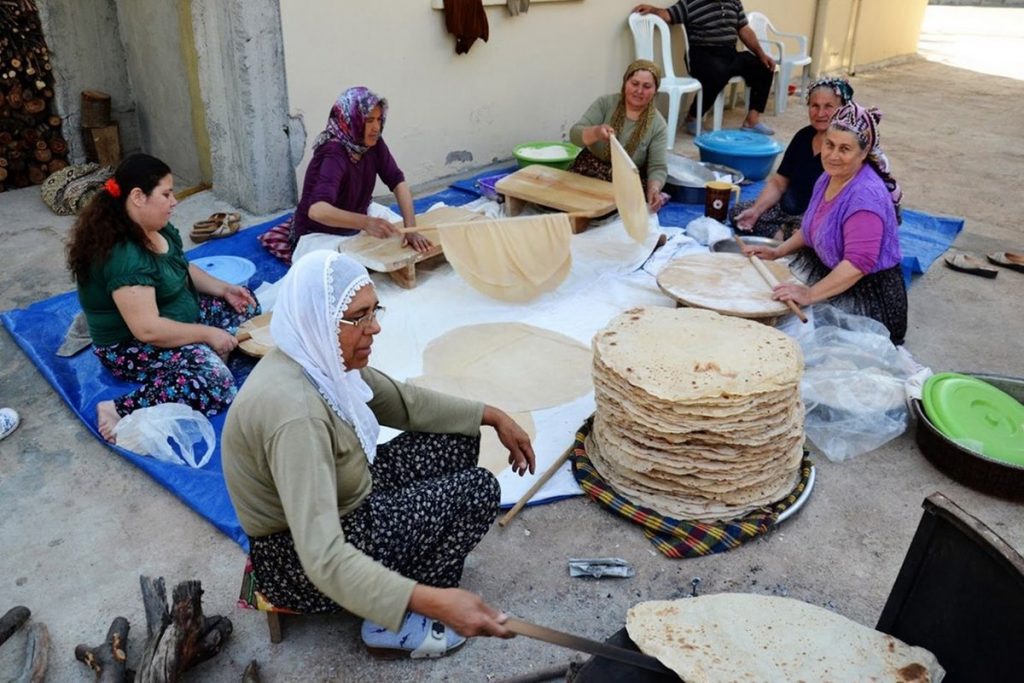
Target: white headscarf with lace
{"x":313,"y":298}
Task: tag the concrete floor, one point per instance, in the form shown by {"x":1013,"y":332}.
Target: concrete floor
{"x":78,"y":525}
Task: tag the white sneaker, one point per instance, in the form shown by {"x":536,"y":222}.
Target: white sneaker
{"x":9,"y":421}
{"x":419,"y":638}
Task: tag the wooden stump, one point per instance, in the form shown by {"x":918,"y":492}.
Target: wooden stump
{"x":107,"y":143}
{"x":12,"y":621}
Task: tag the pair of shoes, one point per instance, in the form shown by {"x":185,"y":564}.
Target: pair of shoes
{"x":1008,"y":259}
{"x":9,"y":421}
{"x":217,"y":225}
{"x":965,"y":263}
{"x":758,"y":128}
{"x":691,"y":127}
{"x":419,"y":638}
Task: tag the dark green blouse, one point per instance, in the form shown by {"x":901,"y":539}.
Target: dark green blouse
{"x":128,"y":265}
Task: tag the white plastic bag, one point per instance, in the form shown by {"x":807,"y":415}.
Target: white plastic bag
{"x":853,"y":384}
{"x":169,"y":432}
{"x":707,"y":231}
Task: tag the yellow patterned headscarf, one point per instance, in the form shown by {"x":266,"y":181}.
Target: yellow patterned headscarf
{"x":643,"y":124}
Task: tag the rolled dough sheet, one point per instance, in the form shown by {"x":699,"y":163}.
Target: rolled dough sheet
{"x":513,"y":366}
{"x":629,"y":193}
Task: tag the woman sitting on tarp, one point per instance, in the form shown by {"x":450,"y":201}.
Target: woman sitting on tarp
{"x":630,"y":116}
{"x":336,"y":521}
{"x":154,"y":318}
{"x":777,"y":211}
{"x":348,"y":157}
{"x":850,"y":227}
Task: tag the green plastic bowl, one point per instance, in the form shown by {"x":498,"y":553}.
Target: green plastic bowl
{"x":521,"y":153}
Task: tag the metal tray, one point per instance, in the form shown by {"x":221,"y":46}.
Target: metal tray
{"x":729,"y":244}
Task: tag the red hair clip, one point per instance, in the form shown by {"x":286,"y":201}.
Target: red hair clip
{"x":112,"y":188}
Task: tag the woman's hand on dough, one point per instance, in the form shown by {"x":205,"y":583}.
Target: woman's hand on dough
{"x":514,"y":438}
{"x":798,"y":294}
{"x":417,"y":242}
{"x":379,"y":228}
{"x":239,"y":298}
{"x":655,"y":199}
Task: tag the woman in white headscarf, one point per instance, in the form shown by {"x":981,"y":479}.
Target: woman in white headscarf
{"x":336,"y":521}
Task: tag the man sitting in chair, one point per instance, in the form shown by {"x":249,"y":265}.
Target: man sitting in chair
{"x":712,"y":27}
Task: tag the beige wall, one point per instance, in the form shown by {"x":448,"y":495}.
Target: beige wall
{"x":883,"y":29}
{"x":531,"y":81}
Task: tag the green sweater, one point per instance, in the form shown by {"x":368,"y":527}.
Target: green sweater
{"x":130,"y":264}
{"x":650,"y":154}
{"x":291,"y":463}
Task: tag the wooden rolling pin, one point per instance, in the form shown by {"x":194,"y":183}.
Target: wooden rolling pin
{"x":541,"y":480}
{"x":768,"y":277}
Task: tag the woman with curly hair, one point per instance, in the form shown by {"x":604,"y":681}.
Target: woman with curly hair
{"x":155,"y":319}
{"x":630,"y":116}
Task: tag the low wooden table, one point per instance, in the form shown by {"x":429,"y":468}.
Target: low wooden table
{"x":389,"y":256}
{"x":585,"y":198}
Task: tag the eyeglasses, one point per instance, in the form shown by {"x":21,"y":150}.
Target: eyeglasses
{"x":366,"y":319}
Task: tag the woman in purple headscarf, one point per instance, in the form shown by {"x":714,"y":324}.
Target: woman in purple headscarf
{"x":348,"y":157}
{"x":850,"y":227}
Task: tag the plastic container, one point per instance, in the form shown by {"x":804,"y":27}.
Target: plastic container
{"x":486,"y":185}
{"x":523,"y":158}
{"x":752,"y":154}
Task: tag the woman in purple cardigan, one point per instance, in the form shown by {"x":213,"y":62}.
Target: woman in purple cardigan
{"x":348,"y":157}
{"x":851,"y":228}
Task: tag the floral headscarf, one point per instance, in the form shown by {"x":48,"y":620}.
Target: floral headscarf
{"x":347,"y":122}
{"x":839,"y":86}
{"x":863,"y":123}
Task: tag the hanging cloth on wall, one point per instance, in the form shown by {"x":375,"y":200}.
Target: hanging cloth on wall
{"x":517,"y":7}
{"x":467,"y":21}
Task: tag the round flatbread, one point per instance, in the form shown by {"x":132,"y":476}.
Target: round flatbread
{"x":725,"y":283}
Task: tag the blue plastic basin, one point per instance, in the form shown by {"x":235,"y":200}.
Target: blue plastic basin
{"x":751,"y":153}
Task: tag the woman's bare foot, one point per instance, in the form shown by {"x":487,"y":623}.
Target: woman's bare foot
{"x":107,"y":419}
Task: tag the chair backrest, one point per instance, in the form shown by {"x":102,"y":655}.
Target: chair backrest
{"x":643,"y":27}
{"x":759,"y":24}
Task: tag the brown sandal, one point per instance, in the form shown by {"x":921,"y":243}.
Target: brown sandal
{"x":226,"y":229}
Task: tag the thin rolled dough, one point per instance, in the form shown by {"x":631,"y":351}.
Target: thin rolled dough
{"x":629,"y":193}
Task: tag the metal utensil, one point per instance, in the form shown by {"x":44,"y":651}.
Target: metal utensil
{"x":593,"y":647}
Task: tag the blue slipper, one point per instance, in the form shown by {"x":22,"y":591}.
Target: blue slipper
{"x":419,"y":638}
{"x":758,"y":128}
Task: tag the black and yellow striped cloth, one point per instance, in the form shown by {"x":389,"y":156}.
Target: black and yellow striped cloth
{"x":679,"y":538}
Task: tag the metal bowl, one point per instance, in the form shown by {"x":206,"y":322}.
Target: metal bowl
{"x":730,"y":245}
{"x":684,"y":192}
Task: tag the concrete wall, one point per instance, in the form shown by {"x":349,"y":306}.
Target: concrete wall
{"x":87,"y":54}
{"x":852,"y":33}
{"x":152,"y":36}
{"x":241,"y":75}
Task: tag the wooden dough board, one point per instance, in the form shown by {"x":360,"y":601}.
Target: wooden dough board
{"x":573,"y":193}
{"x":725,"y":283}
{"x":389,"y":256}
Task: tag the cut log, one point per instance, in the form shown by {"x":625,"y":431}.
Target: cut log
{"x":181,"y":638}
{"x":37,"y":655}
{"x":12,"y":621}
{"x":107,"y":660}
{"x":107,"y":142}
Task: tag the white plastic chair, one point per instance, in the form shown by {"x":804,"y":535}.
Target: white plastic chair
{"x":719,"y":109}
{"x":762,"y":27}
{"x":643,"y":27}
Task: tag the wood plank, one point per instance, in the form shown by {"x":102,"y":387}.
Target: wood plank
{"x":388,"y":255}
{"x":557,"y":189}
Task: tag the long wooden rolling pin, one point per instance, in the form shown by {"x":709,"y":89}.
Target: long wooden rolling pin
{"x":541,"y":480}
{"x":768,"y":277}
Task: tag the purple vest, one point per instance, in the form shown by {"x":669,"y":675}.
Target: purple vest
{"x":866,"y":192}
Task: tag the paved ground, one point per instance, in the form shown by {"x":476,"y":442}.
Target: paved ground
{"x":78,"y":525}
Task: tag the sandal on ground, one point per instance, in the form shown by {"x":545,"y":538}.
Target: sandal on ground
{"x":419,"y":638}
{"x":9,"y":421}
{"x":969,"y":264}
{"x":223,"y":230}
{"x":758,"y":128}
{"x":1008,"y":259}
{"x":205,"y":226}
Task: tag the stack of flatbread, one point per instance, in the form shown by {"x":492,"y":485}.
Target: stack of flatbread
{"x":739,"y":637}
{"x":698,"y":415}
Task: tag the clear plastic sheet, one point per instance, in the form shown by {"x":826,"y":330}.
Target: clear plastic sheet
{"x":853,"y":384}
{"x":169,"y":432}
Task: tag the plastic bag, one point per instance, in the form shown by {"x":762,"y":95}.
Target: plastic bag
{"x":169,"y":432}
{"x":853,"y":384}
{"x":707,"y":231}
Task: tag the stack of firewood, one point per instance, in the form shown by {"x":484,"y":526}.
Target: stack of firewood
{"x":31,"y":144}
